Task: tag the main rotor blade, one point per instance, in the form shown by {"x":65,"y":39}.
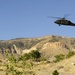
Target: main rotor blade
{"x":54,"y":17}
{"x":66,"y":15}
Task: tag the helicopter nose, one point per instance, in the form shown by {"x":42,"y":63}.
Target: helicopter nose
{"x":55,"y":21}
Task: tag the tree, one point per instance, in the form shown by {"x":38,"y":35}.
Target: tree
{"x":31,"y":55}
{"x":35,"y":54}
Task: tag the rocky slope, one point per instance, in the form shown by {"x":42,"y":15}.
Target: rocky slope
{"x":47,"y":45}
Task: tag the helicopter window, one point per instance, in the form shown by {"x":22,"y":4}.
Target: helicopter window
{"x":69,"y":22}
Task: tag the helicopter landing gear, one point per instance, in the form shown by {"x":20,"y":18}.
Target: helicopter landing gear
{"x":59,"y":24}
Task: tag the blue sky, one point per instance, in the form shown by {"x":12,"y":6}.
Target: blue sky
{"x":28,"y":18}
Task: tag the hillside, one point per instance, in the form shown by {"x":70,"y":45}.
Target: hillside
{"x":48,"y":46}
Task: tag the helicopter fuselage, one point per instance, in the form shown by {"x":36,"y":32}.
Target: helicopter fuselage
{"x":64,"y":22}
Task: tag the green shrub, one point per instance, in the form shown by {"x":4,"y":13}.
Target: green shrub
{"x":34,"y":54}
{"x":24,"y":57}
{"x":26,"y":66}
{"x":55,"y":72}
{"x":59,"y":57}
{"x":71,"y":53}
{"x":31,"y":55}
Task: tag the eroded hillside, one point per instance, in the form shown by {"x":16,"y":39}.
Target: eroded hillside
{"x":47,"y":45}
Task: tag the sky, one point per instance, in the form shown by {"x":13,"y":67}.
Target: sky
{"x":29,"y":18}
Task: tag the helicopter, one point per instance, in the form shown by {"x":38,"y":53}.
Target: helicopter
{"x":63,"y":21}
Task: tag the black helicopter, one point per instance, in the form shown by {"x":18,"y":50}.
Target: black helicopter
{"x":63,"y":21}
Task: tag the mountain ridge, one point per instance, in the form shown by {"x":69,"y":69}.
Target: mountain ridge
{"x":46,"y":44}
{"x":49,"y":47}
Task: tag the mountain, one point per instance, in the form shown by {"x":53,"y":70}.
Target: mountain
{"x":49,"y":46}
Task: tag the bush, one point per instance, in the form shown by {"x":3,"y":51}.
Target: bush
{"x":35,"y":54}
{"x":55,"y":72}
{"x":24,"y":57}
{"x":71,"y":53}
{"x":14,"y":63}
{"x":32,"y":55}
{"x":59,"y":57}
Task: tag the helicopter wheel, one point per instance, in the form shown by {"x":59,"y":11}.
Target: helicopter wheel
{"x":59,"y":24}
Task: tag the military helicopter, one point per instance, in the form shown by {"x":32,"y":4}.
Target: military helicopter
{"x":63,"y":21}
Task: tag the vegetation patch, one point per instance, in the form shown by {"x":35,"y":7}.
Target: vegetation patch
{"x":22,"y":65}
{"x":61,"y":56}
{"x":55,"y":72}
{"x":35,"y":55}
{"x":70,"y":54}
